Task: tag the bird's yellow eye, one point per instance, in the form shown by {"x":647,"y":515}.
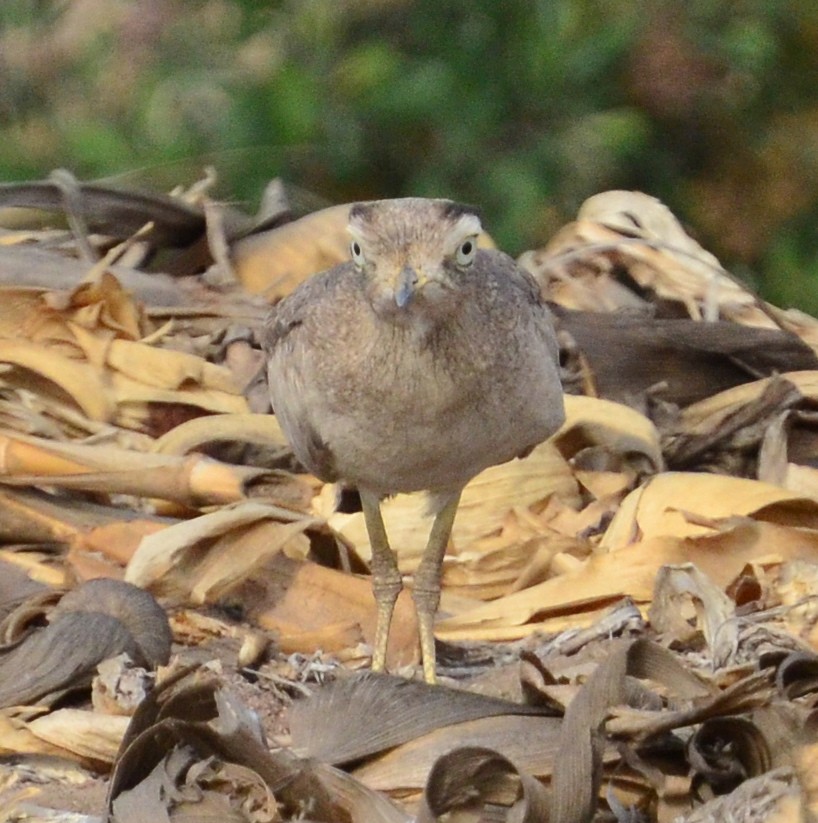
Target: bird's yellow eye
{"x":466,"y":251}
{"x":357,"y":253}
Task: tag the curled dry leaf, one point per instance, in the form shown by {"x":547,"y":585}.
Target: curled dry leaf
{"x":119,"y":687}
{"x":88,"y":738}
{"x":94,"y":622}
{"x":689,"y":505}
{"x":711,"y":413}
{"x":138,"y":611}
{"x":470,"y":783}
{"x":678,"y":586}
{"x":409,"y":725}
{"x":786,"y":452}
{"x":485,"y":573}
{"x":726,"y":751}
{"x":531,"y":743}
{"x":193,"y":480}
{"x":720,"y":549}
{"x":798,"y":675}
{"x":615,"y":427}
{"x":67,"y":318}
{"x":249,"y":428}
{"x":639,"y":234}
{"x":84,"y":346}
{"x":202,"y":558}
{"x":739,"y":442}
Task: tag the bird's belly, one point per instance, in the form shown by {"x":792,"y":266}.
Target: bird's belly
{"x":434,"y":446}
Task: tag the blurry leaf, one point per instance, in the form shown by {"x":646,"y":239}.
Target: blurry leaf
{"x":275,"y":261}
{"x":27,"y":273}
{"x":111,"y":210}
{"x":628,"y":356}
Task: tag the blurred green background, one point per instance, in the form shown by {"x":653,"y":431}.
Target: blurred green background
{"x":524,"y":107}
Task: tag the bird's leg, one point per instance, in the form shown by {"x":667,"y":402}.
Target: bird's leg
{"x":426,"y":589}
{"x":386,"y":579}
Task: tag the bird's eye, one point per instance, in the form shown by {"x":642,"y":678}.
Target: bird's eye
{"x":357,"y":253}
{"x":466,"y":252}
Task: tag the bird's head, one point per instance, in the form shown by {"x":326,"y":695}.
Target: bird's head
{"x":414,"y":253}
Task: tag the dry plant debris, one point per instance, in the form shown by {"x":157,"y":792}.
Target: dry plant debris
{"x":629,"y":614}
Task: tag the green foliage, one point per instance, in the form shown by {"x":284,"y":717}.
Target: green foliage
{"x":524,"y":107}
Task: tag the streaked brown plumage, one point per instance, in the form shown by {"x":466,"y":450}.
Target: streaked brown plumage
{"x":414,"y":366}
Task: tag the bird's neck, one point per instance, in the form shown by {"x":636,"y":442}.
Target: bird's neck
{"x":416,"y":323}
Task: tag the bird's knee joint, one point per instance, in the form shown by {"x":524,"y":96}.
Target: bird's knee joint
{"x":387,"y":589}
{"x":426,"y":596}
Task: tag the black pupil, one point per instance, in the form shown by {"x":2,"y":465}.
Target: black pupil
{"x":466,"y":247}
{"x":356,"y":249}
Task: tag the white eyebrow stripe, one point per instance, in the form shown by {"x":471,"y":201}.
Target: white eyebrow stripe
{"x":468,"y":225}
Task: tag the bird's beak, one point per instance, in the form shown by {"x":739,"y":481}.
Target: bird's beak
{"x":407,"y":282}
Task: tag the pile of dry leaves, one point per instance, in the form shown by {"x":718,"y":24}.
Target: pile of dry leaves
{"x":628,"y":622}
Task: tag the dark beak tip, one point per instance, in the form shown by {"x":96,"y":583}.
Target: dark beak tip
{"x":402,"y":297}
{"x":406,"y":287}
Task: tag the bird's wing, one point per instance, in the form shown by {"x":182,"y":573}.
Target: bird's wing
{"x":284,"y":347}
{"x":290,"y":313}
{"x":531,"y":293}
{"x":283,"y":318}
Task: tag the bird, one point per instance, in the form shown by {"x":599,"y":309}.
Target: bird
{"x":413,"y":366}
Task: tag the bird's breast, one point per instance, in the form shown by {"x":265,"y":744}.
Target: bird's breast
{"x":414,"y":412}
